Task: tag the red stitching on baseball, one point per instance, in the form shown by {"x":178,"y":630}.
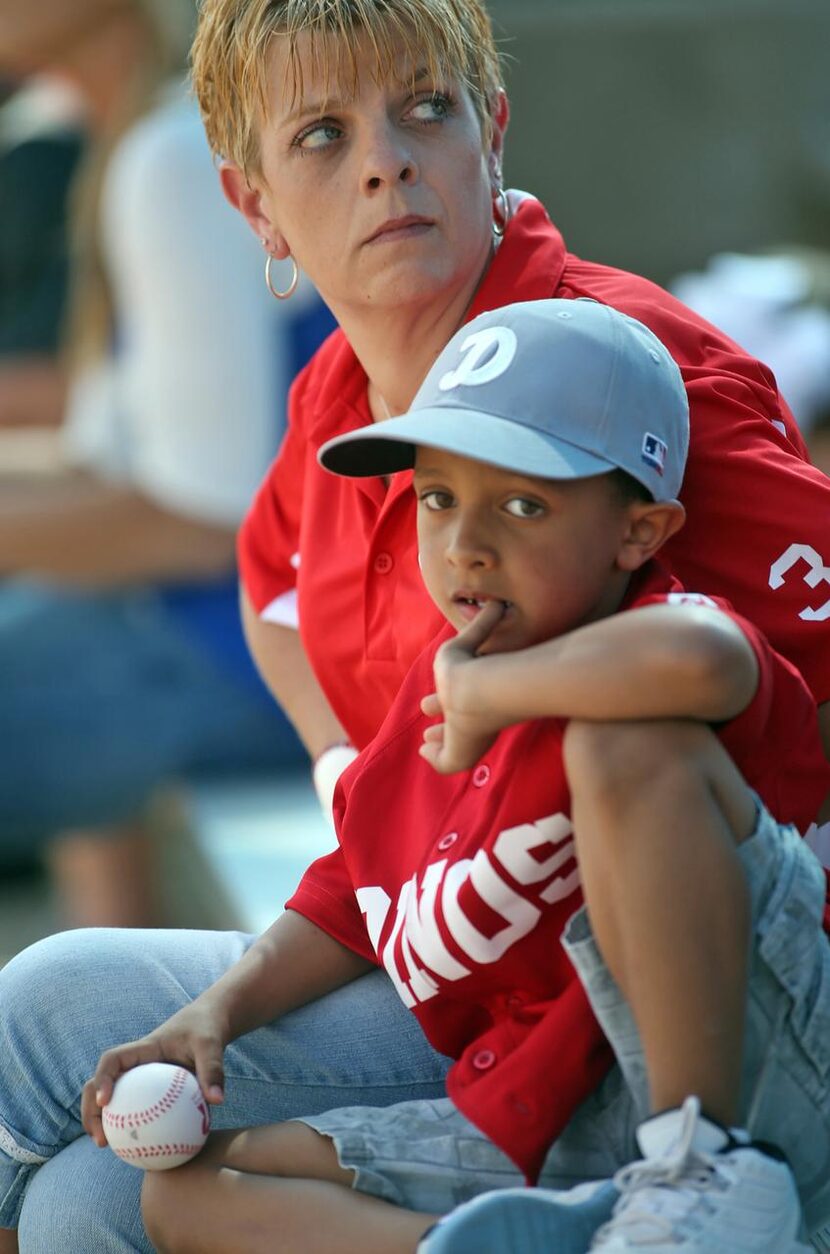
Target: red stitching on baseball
{"x":138,"y":1117}
{"x":156,"y":1151}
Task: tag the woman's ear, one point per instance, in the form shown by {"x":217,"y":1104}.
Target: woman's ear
{"x":246,"y":198}
{"x":500,"y":117}
{"x":650,"y":525}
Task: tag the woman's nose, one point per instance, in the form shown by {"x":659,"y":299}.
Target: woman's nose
{"x":388,"y":160}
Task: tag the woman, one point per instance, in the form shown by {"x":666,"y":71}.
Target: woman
{"x":365,"y":140}
{"x":119,"y":626}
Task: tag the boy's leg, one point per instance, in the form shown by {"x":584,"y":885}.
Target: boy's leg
{"x":77,"y":993}
{"x":371,"y":1179}
{"x":658,"y":813}
{"x":786,"y":1050}
{"x":272,"y":1188}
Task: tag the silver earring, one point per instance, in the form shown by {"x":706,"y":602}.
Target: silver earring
{"x":292,"y":286}
{"x":500,"y":222}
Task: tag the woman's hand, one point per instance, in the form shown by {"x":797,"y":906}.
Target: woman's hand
{"x":195,"y":1037}
{"x":468,"y":727}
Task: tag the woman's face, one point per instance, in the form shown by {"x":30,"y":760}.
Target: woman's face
{"x":383,"y":198}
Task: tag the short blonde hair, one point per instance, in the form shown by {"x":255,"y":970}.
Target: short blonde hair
{"x":233,"y":37}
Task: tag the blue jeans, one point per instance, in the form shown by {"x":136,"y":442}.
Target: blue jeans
{"x":65,"y":1000}
{"x":75,"y":994}
{"x":105,"y":696}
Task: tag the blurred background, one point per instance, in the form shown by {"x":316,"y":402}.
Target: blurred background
{"x":659,"y":132}
{"x":688,"y":140}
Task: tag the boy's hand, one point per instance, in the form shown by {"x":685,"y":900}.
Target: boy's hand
{"x":466,"y":732}
{"x":193,"y":1038}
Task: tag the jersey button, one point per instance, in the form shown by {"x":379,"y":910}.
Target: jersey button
{"x":447,"y":842}
{"x":514,"y":1002}
{"x":484,"y":1060}
{"x":481,"y":775}
{"x":384,"y":563}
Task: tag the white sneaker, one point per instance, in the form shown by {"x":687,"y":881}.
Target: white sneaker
{"x":702,"y":1190}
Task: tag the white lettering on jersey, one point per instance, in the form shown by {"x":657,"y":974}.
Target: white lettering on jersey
{"x":421,"y":926}
{"x":520,"y":915}
{"x":416,"y":925}
{"x":374,"y":903}
{"x":817,"y":573}
{"x":415,"y":953}
{"x":512,"y":849}
{"x":489,"y":353}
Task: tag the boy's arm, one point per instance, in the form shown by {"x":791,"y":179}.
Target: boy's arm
{"x":658,"y":661}
{"x":293,"y":963}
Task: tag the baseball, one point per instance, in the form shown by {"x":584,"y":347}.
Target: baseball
{"x":157,"y":1117}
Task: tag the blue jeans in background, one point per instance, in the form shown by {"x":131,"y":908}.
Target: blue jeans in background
{"x":106,"y":696}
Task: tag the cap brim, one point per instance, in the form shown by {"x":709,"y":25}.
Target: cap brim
{"x":389,"y":446}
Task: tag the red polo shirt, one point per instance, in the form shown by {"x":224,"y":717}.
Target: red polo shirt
{"x":342,"y":553}
{"x":461,"y":885}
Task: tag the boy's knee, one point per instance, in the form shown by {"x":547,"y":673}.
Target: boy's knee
{"x":612,"y":761}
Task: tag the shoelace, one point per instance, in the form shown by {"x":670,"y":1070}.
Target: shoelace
{"x":657,"y":1194}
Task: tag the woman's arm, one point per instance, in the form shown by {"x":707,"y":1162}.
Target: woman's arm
{"x":286,"y":671}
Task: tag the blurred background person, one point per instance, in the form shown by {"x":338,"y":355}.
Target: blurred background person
{"x":41,"y":140}
{"x":122,"y":662}
{"x":776,"y":305}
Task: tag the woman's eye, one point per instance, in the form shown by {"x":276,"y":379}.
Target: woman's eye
{"x":434,"y":109}
{"x":436,"y":500}
{"x":320,"y":135}
{"x":521,"y":507}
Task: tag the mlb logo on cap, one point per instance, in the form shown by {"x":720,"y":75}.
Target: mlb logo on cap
{"x":654,"y":452}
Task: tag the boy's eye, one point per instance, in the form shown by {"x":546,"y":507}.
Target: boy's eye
{"x":523,"y":507}
{"x":436,"y":499}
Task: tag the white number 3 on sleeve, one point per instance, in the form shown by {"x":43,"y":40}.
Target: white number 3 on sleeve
{"x":816,"y":574}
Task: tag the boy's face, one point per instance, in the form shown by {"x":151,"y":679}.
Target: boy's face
{"x":547,"y":549}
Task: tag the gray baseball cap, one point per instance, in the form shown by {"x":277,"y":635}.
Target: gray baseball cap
{"x":559,"y":389}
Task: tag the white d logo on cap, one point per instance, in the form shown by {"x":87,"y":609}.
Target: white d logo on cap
{"x":497,"y":344}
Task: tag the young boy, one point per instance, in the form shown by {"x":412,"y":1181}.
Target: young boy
{"x":548,"y":445}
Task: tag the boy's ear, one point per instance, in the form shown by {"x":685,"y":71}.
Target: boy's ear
{"x":650,"y":525}
{"x":246,"y":198}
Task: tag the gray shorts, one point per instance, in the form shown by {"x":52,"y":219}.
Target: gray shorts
{"x":426,"y":1156}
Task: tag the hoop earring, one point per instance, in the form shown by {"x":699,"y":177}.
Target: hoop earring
{"x":292,"y":286}
{"x":500,"y":225}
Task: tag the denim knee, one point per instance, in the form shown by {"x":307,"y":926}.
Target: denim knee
{"x":84,"y":1199}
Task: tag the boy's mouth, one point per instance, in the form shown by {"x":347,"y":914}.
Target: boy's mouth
{"x":470,"y":604}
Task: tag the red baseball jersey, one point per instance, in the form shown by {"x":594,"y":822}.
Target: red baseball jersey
{"x":341,"y":553}
{"x":460,"y":886}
